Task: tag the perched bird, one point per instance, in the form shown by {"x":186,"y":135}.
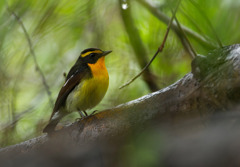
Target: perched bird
{"x":85,"y":86}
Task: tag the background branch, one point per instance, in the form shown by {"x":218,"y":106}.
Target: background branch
{"x":38,"y":69}
{"x":137,"y":45}
{"x":186,"y":42}
{"x":160,"y":49}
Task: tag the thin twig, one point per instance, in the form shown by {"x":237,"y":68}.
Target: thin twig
{"x":16,"y":118}
{"x":165,"y":19}
{"x":33,"y":54}
{"x":159,"y":49}
{"x":192,"y":51}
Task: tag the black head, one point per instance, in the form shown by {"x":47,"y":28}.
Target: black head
{"x":91,"y":55}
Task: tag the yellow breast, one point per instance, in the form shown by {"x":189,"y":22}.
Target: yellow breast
{"x":90,"y":91}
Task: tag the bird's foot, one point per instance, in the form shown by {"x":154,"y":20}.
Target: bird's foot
{"x":93,"y":112}
{"x":79,"y":119}
{"x":84,"y":116}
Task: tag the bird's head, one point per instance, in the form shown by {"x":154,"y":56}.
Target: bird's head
{"x":92,"y":55}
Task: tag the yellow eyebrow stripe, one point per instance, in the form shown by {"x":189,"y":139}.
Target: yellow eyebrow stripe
{"x":87,"y":53}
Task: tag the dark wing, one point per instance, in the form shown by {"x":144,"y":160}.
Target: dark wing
{"x":67,"y":88}
{"x":75,"y":69}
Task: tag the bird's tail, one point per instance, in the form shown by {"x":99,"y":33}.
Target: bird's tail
{"x":53,"y":123}
{"x":50,"y":127}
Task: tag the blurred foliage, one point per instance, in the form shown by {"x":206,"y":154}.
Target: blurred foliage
{"x":60,"y":30}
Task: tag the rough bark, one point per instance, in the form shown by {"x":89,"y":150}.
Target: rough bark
{"x":212,"y":86}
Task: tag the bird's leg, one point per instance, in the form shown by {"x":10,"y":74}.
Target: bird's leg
{"x":82,"y":116}
{"x":85,"y":113}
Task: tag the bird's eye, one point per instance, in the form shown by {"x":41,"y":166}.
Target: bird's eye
{"x":92,"y":55}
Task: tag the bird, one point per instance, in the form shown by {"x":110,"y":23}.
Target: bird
{"x":85,"y":86}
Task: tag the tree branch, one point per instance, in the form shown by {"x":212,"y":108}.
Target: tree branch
{"x":193,"y":95}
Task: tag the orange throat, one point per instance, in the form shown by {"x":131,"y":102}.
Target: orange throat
{"x":99,"y":69}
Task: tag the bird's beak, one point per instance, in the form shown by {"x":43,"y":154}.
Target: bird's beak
{"x":106,"y":52}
